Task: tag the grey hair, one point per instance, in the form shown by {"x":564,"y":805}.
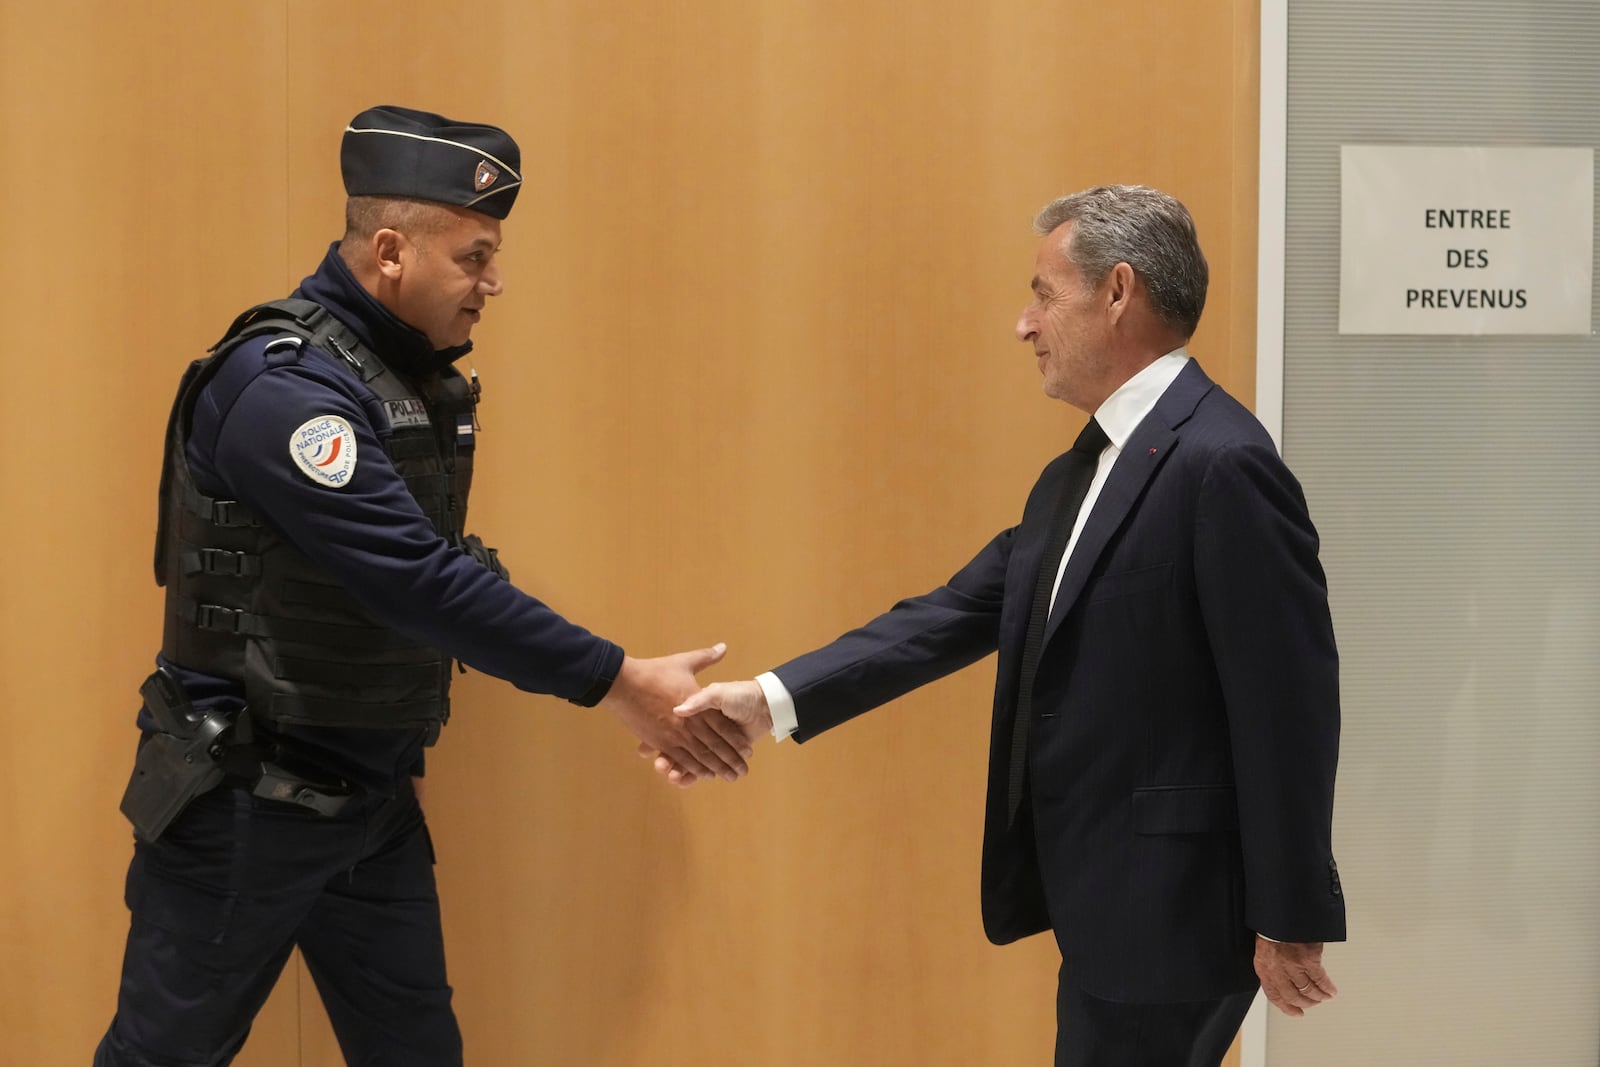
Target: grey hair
{"x":1146,"y":229}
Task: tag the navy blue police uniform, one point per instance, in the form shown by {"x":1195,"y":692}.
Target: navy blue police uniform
{"x":332,"y":443}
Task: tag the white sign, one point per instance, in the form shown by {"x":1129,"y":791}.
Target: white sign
{"x":1466,"y":240}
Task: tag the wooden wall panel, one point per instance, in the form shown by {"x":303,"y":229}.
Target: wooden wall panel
{"x":752,"y":380}
{"x":141,"y":169}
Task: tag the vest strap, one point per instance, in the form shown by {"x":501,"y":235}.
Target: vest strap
{"x":229,"y":513}
{"x":219,"y":561}
{"x":217,"y":618}
{"x":297,"y":710}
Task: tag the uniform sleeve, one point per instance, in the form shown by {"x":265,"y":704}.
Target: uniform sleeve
{"x":1265,"y":603}
{"x":371,"y":537}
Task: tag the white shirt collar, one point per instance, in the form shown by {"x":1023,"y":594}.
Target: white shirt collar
{"x":1126,"y":408}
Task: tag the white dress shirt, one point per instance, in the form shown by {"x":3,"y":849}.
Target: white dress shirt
{"x":1119,"y":416}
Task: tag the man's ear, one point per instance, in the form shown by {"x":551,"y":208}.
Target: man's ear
{"x":1120,"y":285}
{"x":387,"y":248}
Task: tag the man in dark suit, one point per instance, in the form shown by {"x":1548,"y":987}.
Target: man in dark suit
{"x":1166,"y":714}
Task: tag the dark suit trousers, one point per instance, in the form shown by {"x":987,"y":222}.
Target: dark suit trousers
{"x":1091,"y":1032}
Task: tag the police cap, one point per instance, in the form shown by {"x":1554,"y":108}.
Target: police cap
{"x":395,"y":151}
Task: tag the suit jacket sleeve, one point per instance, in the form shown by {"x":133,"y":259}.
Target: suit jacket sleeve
{"x":1264,"y":600}
{"x":917,"y":641}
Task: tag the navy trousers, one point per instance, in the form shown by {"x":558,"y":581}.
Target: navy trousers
{"x":235,"y":884}
{"x":1091,"y":1032}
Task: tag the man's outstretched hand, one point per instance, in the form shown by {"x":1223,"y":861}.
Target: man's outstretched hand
{"x":644,"y":695}
{"x":742,"y":705}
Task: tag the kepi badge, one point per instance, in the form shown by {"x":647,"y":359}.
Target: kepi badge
{"x":486,"y":175}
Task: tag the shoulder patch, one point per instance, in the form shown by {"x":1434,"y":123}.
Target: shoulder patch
{"x":324,"y":448}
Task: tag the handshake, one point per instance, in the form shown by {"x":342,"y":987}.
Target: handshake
{"x":690,"y":732}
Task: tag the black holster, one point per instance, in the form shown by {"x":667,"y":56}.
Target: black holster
{"x":169,"y":772}
{"x":178,"y":762}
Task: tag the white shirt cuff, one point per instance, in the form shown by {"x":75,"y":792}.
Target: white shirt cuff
{"x":780,"y":704}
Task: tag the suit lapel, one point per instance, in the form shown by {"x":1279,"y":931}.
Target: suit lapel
{"x":1146,"y":449}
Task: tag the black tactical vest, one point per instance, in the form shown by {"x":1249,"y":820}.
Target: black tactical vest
{"x":245,"y":604}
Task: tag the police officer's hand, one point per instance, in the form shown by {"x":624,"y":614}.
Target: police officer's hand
{"x":643,"y":696}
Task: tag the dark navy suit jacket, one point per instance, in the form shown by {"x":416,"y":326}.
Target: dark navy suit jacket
{"x":1181,"y":763}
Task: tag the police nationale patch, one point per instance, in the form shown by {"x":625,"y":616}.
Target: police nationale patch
{"x":407,"y":411}
{"x":324,"y":448}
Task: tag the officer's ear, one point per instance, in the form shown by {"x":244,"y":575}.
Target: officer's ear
{"x":387,"y":248}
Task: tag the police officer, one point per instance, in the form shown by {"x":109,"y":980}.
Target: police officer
{"x":320,"y":583}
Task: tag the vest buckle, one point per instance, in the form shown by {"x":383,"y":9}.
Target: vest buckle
{"x":216,"y":617}
{"x":231,"y":513}
{"x":228,"y":564}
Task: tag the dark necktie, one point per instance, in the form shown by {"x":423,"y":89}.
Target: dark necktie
{"x":1081,"y":464}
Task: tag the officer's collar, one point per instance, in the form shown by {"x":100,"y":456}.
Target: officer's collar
{"x":401,"y":346}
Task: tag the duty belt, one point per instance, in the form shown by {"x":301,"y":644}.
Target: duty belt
{"x":191,"y":752}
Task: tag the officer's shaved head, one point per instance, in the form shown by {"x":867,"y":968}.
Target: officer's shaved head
{"x":417,"y":219}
